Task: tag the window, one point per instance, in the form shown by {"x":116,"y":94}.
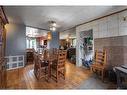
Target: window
{"x":30,"y":39}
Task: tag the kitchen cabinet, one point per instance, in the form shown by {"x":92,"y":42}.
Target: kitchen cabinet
{"x":123,"y":23}
{"x":103,"y":28}
{"x":113,"y":26}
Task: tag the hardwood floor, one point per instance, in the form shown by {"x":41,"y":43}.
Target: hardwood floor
{"x":24,"y":78}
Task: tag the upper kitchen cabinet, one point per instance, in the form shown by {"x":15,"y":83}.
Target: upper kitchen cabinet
{"x":110,"y":26}
{"x":103,"y":28}
{"x":113,"y":26}
{"x":123,"y":23}
{"x":95,"y":28}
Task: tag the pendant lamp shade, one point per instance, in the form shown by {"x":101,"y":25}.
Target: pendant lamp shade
{"x":49,"y":36}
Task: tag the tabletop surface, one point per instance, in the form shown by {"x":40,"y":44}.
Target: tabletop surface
{"x":121,"y":69}
{"x":48,"y":57}
{"x":124,"y":66}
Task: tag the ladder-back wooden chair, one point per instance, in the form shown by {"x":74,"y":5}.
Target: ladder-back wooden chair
{"x":55,"y":52}
{"x":58,"y":66}
{"x":36,"y":65}
{"x":99,"y":64}
{"x":40,"y":68}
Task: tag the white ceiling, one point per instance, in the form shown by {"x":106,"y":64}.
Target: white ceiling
{"x":65,"y":16}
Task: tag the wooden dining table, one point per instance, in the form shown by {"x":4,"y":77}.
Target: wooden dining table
{"x":49,"y":58}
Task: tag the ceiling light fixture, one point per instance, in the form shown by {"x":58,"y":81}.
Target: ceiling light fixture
{"x":52,"y":25}
{"x":52,"y":29}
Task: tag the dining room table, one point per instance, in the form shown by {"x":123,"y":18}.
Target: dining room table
{"x":121,"y":73}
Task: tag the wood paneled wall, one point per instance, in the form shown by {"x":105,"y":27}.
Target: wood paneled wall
{"x":116,"y":48}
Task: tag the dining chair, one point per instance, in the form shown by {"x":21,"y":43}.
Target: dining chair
{"x":58,"y":65}
{"x":55,"y":52}
{"x":36,"y":65}
{"x":99,"y":64}
{"x":40,"y":67}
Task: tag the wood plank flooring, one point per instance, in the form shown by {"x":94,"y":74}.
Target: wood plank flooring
{"x":24,"y":78}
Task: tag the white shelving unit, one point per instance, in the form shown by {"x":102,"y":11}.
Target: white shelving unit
{"x":14,"y":62}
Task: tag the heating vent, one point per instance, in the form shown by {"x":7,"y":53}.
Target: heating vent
{"x":14,"y":62}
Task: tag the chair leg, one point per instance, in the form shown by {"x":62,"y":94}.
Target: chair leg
{"x":39,"y":75}
{"x":102,"y":75}
{"x":91,"y":69}
{"x":45,"y":73}
{"x":64,"y":73}
{"x":57,"y":76}
{"x":46,"y":70}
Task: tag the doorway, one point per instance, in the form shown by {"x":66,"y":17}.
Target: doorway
{"x":87,"y":48}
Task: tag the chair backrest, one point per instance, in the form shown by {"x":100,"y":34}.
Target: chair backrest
{"x":45,"y":53}
{"x":35,"y":58}
{"x":100,"y":57}
{"x":37,"y":62}
{"x":61,"y":58}
{"x":55,"y":50}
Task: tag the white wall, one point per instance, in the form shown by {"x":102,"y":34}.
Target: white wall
{"x":110,"y":26}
